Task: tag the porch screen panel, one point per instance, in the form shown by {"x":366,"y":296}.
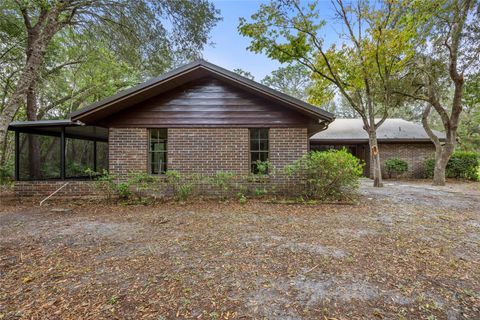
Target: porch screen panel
{"x":78,"y":157}
{"x":102,"y":156}
{"x":39,"y":157}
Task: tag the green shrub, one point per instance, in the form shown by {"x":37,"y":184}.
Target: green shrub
{"x":263,"y":167}
{"x":462,"y":165}
{"x":260,"y":192}
{"x":185,"y":191}
{"x":123,"y":190}
{"x":224,"y":182}
{"x":429,"y":166}
{"x":6,"y":172}
{"x":327,"y":175}
{"x":181,"y":189}
{"x":104,"y":181}
{"x":395,"y":167}
{"x":242,"y":199}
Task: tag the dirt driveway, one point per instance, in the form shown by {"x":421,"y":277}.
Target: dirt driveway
{"x":407,"y":251}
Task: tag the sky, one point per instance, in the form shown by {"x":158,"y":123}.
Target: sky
{"x":230,"y":48}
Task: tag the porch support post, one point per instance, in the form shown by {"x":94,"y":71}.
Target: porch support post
{"x":17,"y":156}
{"x":95,"y":155}
{"x":62,"y":154}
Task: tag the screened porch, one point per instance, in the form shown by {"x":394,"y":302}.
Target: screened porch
{"x":58,"y":150}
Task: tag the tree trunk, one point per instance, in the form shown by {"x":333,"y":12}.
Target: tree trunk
{"x":375,"y":157}
{"x":39,"y":37}
{"x":439,"y":173}
{"x":442,"y":156}
{"x":33,"y":141}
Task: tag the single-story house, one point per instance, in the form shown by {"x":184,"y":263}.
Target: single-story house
{"x":198,"y":118}
{"x":397,"y":138}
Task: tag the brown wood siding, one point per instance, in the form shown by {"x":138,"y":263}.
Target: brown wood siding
{"x":207,"y":102}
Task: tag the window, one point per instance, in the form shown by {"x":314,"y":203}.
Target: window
{"x":258,"y":147}
{"x":157,"y":156}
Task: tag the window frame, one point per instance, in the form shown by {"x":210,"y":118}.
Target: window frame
{"x":150,"y":152}
{"x":259,"y":151}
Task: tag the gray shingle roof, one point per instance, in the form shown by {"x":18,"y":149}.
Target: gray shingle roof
{"x":390,"y":130}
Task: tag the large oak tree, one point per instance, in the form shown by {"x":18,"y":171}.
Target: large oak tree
{"x":451,"y":51}
{"x":367,"y":62}
{"x":150,"y":36}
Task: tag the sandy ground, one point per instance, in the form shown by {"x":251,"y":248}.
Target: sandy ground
{"x":405,"y":251}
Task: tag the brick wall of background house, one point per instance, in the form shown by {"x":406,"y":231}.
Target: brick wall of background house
{"x":208,"y":150}
{"x":287,"y":145}
{"x":414,"y":153}
{"x":127,"y":151}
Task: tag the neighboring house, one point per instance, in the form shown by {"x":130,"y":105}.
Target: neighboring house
{"x":199,"y":118}
{"x":397,"y":138}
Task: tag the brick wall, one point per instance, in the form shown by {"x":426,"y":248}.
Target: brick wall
{"x":190,"y":150}
{"x":203,"y":150}
{"x":127,"y":150}
{"x":208,"y":150}
{"x":287,"y":145}
{"x":43,"y":189}
{"x":414,"y":154}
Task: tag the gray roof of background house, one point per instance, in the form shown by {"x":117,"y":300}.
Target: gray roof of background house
{"x":390,"y":130}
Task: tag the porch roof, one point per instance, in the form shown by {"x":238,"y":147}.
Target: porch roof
{"x":73,"y":129}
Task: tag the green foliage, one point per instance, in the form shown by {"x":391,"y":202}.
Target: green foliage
{"x":370,"y":59}
{"x":469,"y":129}
{"x":293,"y":80}
{"x":462,"y":165}
{"x":244,"y":73}
{"x":185,"y":190}
{"x":242,"y":199}
{"x":429,"y":167}
{"x":224,"y":182}
{"x":113,"y":300}
{"x":260,"y":192}
{"x":263,"y":167}
{"x":328,"y":175}
{"x":105,"y":182}
{"x":396,"y":167}
{"x":174,"y":180}
{"x":173,"y":176}
{"x":123,"y":190}
{"x":6,"y":172}
{"x":97,"y":48}
{"x":367,"y":66}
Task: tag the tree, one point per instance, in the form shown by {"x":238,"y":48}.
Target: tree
{"x":469,"y":129}
{"x":293,"y":80}
{"x":451,"y":49}
{"x":340,"y":107}
{"x":244,"y":73}
{"x":364,"y":68}
{"x":146,"y":34}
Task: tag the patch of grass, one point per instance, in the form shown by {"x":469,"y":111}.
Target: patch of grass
{"x":113,"y":300}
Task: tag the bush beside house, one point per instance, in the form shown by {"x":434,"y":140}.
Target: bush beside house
{"x":395,"y":167}
{"x":325,"y":176}
{"x":328,"y":175}
{"x":462,"y":165}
